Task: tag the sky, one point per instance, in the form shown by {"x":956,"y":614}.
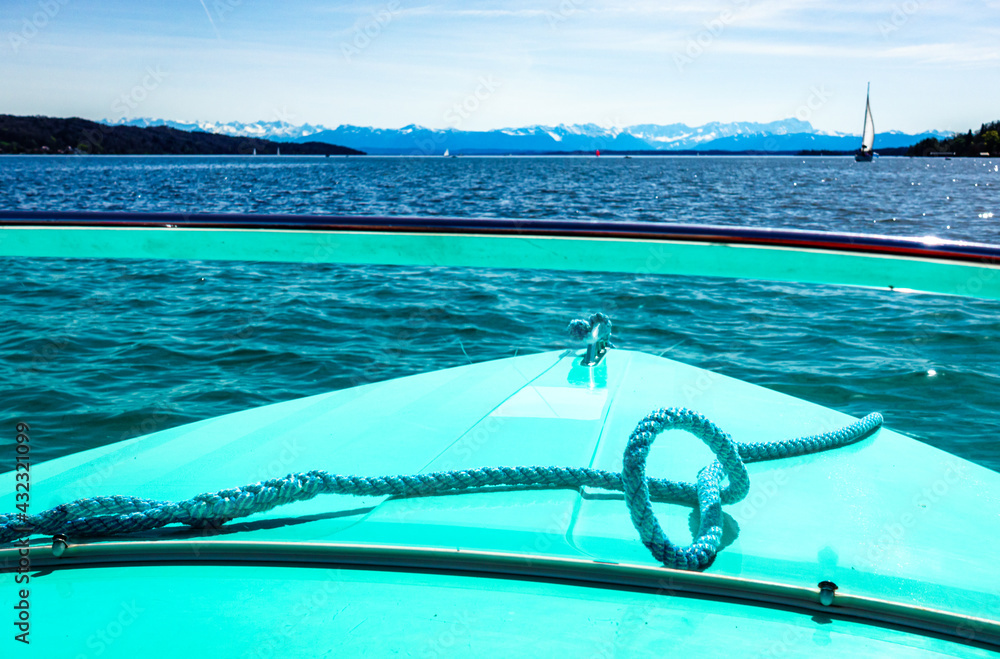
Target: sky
{"x":932,"y":65}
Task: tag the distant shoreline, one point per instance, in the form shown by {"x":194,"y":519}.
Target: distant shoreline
{"x":54,"y":136}
{"x":750,"y":152}
{"x":39,"y":135}
{"x":525,"y":154}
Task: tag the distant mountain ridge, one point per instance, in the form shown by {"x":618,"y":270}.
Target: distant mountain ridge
{"x":783,"y":135}
{"x":55,"y":135}
{"x":280,"y":131}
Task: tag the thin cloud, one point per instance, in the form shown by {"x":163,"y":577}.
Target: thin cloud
{"x":210,"y":20}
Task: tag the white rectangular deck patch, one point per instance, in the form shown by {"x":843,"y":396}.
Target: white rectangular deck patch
{"x":555,"y":403}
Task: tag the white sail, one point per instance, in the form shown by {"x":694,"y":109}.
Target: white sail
{"x":868,"y":136}
{"x":446,"y":152}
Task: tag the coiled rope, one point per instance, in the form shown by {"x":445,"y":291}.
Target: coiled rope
{"x":114,"y":515}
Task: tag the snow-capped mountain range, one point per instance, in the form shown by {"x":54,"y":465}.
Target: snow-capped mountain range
{"x":784,"y":135}
{"x":280,"y":131}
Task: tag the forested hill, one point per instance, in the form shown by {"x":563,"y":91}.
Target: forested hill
{"x":52,"y":135}
{"x":986,"y":141}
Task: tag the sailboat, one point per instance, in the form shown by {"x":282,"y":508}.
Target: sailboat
{"x":446,"y":153}
{"x":865,"y":153}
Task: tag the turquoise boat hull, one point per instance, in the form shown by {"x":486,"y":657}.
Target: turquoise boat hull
{"x":904,"y":530}
{"x":924,"y":264}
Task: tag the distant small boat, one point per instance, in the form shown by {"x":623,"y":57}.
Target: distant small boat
{"x":446,"y":153}
{"x":598,"y":153}
{"x":255,"y":151}
{"x":279,"y":151}
{"x":865,"y":153}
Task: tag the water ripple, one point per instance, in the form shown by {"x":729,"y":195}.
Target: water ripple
{"x":95,"y":351}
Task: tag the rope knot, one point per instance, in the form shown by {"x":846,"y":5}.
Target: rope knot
{"x":114,"y":515}
{"x":710,"y":495}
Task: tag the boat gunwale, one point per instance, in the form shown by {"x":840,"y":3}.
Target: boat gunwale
{"x":659,"y":580}
{"x":877,"y":244}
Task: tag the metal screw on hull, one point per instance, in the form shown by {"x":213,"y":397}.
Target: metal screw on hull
{"x":59,"y":544}
{"x":826,"y":591}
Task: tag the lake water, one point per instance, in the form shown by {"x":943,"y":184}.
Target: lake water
{"x":94,"y":351}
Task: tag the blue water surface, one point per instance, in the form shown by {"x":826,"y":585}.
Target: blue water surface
{"x":94,"y":351}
